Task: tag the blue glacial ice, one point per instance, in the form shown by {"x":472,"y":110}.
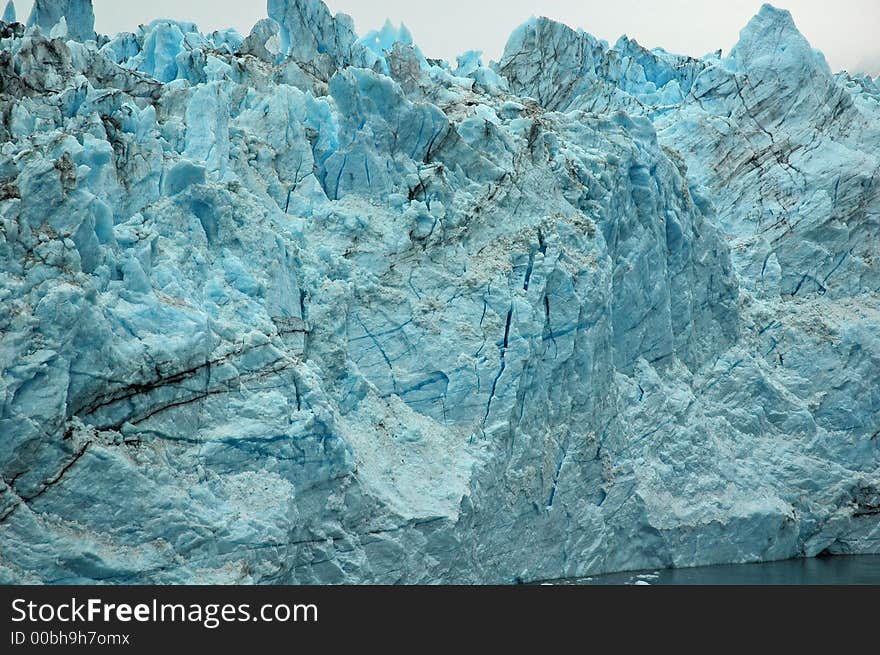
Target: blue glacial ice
{"x":77,"y":15}
{"x":303,"y":306}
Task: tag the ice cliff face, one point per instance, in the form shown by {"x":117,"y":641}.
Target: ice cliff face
{"x":76,"y":17}
{"x":304,"y":307}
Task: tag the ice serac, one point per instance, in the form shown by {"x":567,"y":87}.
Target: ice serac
{"x":79,"y":15}
{"x":9,"y":15}
{"x":304,"y":307}
{"x":311,"y":35}
{"x":772,"y":42}
{"x":264,"y":41}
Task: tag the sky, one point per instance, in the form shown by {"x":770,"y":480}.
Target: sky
{"x":844,"y":30}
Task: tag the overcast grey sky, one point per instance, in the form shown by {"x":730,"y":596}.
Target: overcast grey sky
{"x":845,"y":30}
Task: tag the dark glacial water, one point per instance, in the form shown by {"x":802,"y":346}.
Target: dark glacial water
{"x":860,"y":570}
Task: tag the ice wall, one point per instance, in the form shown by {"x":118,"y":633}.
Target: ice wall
{"x":304,"y":307}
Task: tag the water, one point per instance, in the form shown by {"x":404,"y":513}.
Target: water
{"x":861,"y":570}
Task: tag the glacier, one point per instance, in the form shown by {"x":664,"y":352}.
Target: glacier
{"x":307,"y":307}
